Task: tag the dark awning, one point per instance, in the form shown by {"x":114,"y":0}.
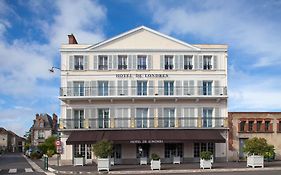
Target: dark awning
{"x":146,"y":136}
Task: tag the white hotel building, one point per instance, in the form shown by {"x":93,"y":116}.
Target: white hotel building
{"x":147,"y":93}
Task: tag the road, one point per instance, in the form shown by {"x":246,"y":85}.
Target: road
{"x":228,"y":173}
{"x":15,"y":163}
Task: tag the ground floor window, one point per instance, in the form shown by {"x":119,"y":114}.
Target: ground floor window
{"x":83,"y":150}
{"x":173,"y":150}
{"x":199,"y":147}
{"x":142,"y":150}
{"x":116,"y":154}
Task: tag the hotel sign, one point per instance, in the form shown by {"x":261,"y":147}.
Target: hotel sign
{"x":146,"y":141}
{"x":141,"y":75}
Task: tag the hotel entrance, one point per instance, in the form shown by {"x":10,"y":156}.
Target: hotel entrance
{"x":142,"y":151}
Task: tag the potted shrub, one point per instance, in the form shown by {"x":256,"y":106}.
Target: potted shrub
{"x":256,"y":149}
{"x":269,"y":155}
{"x":103,"y":150}
{"x":155,"y":163}
{"x":206,"y":159}
{"x":79,"y":160}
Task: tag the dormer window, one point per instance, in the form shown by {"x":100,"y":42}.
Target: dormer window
{"x":41,"y":125}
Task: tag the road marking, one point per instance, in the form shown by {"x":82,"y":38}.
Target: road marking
{"x":28,"y":170}
{"x":36,"y":167}
{"x":13,"y":170}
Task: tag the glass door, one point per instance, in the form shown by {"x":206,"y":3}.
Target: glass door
{"x":79,"y":118}
{"x":78,"y":88}
{"x":141,"y":119}
{"x":207,"y":87}
{"x":207,"y":117}
{"x":103,"y":118}
{"x":169,"y":117}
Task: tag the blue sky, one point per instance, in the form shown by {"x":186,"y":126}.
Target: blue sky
{"x":31,"y":32}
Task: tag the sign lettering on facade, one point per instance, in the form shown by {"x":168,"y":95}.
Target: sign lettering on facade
{"x":146,"y":141}
{"x":141,"y":75}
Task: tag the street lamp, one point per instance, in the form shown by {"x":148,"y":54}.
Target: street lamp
{"x":52,"y":69}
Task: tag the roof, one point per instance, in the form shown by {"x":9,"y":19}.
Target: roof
{"x":150,"y":135}
{"x":48,"y":123}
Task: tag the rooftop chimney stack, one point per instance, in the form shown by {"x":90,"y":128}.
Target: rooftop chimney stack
{"x":72,"y":39}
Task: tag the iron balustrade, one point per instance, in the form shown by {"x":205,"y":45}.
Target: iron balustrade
{"x":144,"y":91}
{"x":150,"y":122}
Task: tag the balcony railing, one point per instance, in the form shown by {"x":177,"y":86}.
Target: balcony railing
{"x":151,"y":122}
{"x":149,"y":91}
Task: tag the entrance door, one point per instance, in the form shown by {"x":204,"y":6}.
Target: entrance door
{"x":173,"y":150}
{"x":83,"y":150}
{"x":241,"y":145}
{"x":142,"y":150}
{"x":116,"y":154}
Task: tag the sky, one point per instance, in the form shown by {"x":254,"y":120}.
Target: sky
{"x":31,"y":32}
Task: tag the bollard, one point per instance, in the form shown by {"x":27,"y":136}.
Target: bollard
{"x":45,"y":162}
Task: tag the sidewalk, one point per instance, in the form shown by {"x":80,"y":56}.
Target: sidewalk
{"x":165,"y":168}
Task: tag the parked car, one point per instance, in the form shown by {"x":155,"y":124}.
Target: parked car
{"x":34,"y":153}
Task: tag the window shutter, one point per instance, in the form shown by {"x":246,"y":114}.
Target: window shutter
{"x":149,"y":62}
{"x":181,"y":62}
{"x":218,"y":122}
{"x":87,"y":88}
{"x":177,"y":62}
{"x":86,"y":62}
{"x":93,"y":118}
{"x":178,"y":87}
{"x":125,"y":87}
{"x":185,"y":119}
{"x":186,"y":88}
{"x":110,"y":62}
{"x":160,"y":87}
{"x":179,"y":112}
{"x":133,"y":87}
{"x":71,"y":62}
{"x":200,"y":87}
{"x":191,"y":88}
{"x":130,"y":62}
{"x":87,"y":113}
{"x":196,"y":62}
{"x":217,"y":88}
{"x":200,"y":62}
{"x":215,"y":57}
{"x":151,"y":117}
{"x":200,"y":112}
{"x":162,"y":62}
{"x":134,"y":66}
{"x":151,"y":87}
{"x":192,"y":117}
{"x":95,"y":62}
{"x":112,"y":88}
{"x":115,"y":62}
{"x":133,"y":112}
{"x":70,"y":124}
{"x":94,"y":88}
{"x":160,"y":118}
{"x":69,"y":88}
{"x":119,"y":87}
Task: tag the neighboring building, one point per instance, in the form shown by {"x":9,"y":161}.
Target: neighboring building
{"x":147,"y":93}
{"x":246,"y":125}
{"x":10,"y":142}
{"x":43,"y":127}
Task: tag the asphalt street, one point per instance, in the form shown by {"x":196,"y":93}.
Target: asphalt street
{"x":15,"y":163}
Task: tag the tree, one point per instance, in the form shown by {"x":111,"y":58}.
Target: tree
{"x":49,"y":144}
{"x":103,"y":149}
{"x":257,"y":146}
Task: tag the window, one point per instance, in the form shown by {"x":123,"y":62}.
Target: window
{"x":242,"y":126}
{"x":142,"y":87}
{"x":103,"y":64}
{"x":169,"y":62}
{"x":207,"y":87}
{"x":259,"y":124}
{"x":207,"y":117}
{"x":83,"y":150}
{"x":78,"y":88}
{"x":41,"y":124}
{"x":141,"y":62}
{"x":251,"y":125}
{"x":168,"y":88}
{"x":267,"y":126}
{"x":173,"y":150}
{"x":79,"y":118}
{"x":142,"y":150}
{"x":187,"y":62}
{"x":103,"y":118}
{"x":41,"y":134}
{"x":200,"y":147}
{"x":141,"y":118}
{"x":78,"y":62}
{"x":122,"y":62}
{"x":103,"y":88}
{"x":207,"y":62}
{"x":116,"y":153}
{"x":169,"y":117}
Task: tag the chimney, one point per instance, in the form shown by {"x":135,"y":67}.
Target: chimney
{"x":37,"y":116}
{"x":55,"y":122}
{"x":72,"y":39}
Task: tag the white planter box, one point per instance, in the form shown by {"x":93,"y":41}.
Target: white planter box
{"x":205,"y":163}
{"x":255,"y":161}
{"x":79,"y":161}
{"x":104,"y":164}
{"x":176,"y":160}
{"x":112,"y":161}
{"x":155,"y":164}
{"x":143,"y":160}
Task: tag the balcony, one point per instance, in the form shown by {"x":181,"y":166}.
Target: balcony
{"x":149,"y":91}
{"x":150,"y":122}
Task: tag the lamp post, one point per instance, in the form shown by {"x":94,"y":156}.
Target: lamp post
{"x":52,"y":70}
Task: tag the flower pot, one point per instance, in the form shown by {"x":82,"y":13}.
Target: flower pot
{"x":177,"y":160}
{"x":155,"y":164}
{"x":143,"y":161}
{"x":255,"y":161}
{"x":104,"y":164}
{"x":205,"y":163}
{"x":79,"y":161}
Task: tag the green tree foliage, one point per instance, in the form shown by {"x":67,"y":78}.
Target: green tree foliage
{"x":155,"y":156}
{"x":257,"y":146}
{"x":49,"y":144}
{"x":206,"y":155}
{"x":103,"y":149}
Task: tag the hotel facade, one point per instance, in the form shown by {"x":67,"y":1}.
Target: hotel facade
{"x":147,"y":93}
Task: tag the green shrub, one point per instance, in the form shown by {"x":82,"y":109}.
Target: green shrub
{"x":258,"y":146}
{"x":103,"y":149}
{"x":50,"y":153}
{"x":35,"y":155}
{"x":155,"y":156}
{"x":206,"y":155}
